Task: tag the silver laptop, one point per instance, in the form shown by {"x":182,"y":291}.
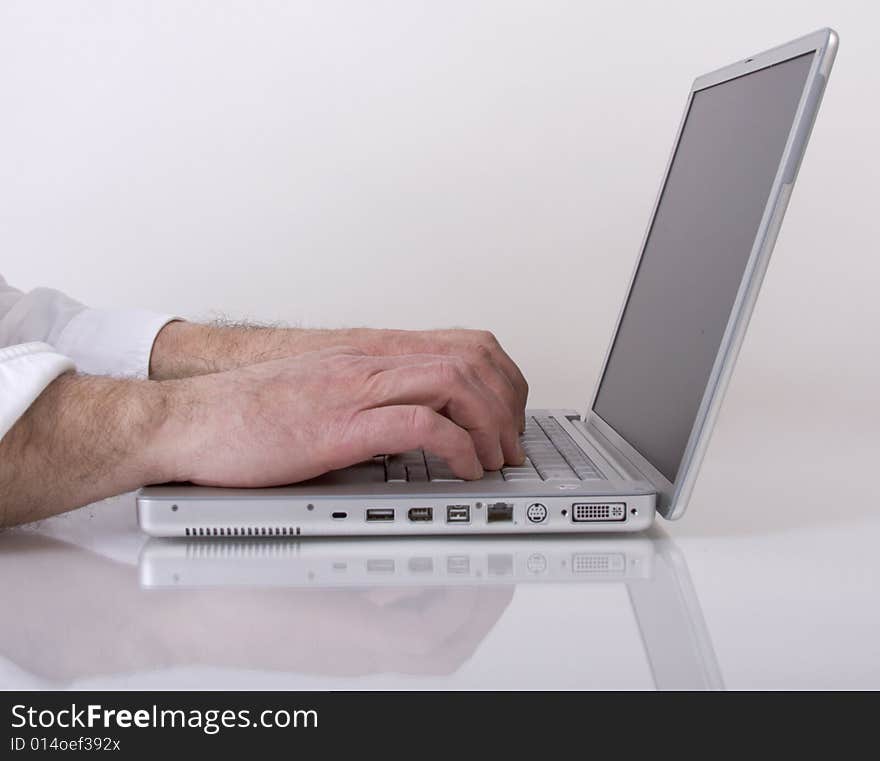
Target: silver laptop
{"x":637,"y":448}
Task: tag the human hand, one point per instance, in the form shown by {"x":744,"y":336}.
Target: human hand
{"x":480,"y":348}
{"x":186,"y":349}
{"x":288,"y":420}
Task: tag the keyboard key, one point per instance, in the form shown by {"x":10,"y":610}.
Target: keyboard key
{"x":551,"y":455}
{"x":575,"y":459}
{"x":395,"y":469}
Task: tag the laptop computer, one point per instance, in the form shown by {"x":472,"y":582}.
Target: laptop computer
{"x":637,"y":449}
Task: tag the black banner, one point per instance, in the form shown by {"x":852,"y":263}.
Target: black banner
{"x":140,"y":724}
{"x":144,"y":722}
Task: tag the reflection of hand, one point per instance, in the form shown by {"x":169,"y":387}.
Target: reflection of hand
{"x":80,"y":615}
{"x":346,"y":633}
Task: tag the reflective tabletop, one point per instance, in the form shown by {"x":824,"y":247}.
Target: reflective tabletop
{"x":767,"y":586}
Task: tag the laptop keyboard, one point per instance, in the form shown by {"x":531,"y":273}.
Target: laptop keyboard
{"x":551,"y":455}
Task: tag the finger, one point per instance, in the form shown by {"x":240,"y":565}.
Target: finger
{"x":492,"y":375}
{"x":459,"y":342}
{"x":511,"y":371}
{"x":484,"y":345}
{"x":441,"y":385}
{"x":485,"y":375}
{"x":449,"y":385}
{"x":398,"y":428}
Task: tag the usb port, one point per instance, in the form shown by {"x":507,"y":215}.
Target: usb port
{"x":499,"y":512}
{"x":458,"y":513}
{"x":421,"y":514}
{"x":380,"y":514}
{"x":380,"y":565}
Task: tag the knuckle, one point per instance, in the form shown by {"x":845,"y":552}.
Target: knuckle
{"x":468,"y":368}
{"x":451,"y":370}
{"x":508,"y":417}
{"x":483,"y":352}
{"x":372,"y":385}
{"x":488,"y":339}
{"x":421,"y":420}
{"x":463,"y":440}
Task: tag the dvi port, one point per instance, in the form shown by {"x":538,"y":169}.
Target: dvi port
{"x":598,"y":564}
{"x":595,"y":512}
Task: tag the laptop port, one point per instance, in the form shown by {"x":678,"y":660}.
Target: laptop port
{"x":500,"y":564}
{"x":458,"y":564}
{"x":380,"y":565}
{"x":421,"y":565}
{"x":536,"y":512}
{"x":420,"y":514}
{"x":380,"y":514}
{"x":458,"y":513}
{"x":499,"y":512}
{"x":597,"y":563}
{"x":340,"y":515}
{"x":598,"y":512}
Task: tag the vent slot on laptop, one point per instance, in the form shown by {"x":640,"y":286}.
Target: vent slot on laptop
{"x":242,"y":549}
{"x":242,"y":531}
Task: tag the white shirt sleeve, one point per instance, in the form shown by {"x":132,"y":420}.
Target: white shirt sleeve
{"x":44,"y":333}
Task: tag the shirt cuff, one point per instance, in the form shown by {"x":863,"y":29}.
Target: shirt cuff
{"x":25,"y":371}
{"x":112,"y":341}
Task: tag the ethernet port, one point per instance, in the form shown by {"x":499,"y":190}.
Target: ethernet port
{"x":500,"y":564}
{"x":499,"y":512}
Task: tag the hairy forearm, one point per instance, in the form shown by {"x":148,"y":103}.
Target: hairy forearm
{"x":85,"y":438}
{"x":184,"y":349}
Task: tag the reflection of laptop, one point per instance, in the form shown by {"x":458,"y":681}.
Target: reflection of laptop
{"x":639,"y":446}
{"x":652,"y":572}
{"x":427,"y":562}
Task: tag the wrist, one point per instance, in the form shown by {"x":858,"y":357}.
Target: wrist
{"x":168,"y":348}
{"x":172,"y":406}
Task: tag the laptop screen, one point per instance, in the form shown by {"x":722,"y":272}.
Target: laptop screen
{"x":694,"y":258}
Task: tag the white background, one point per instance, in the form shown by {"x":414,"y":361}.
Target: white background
{"x":486,"y":164}
{"x":418,"y":164}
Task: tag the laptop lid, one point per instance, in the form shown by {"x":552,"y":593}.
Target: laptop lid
{"x":712,"y":230}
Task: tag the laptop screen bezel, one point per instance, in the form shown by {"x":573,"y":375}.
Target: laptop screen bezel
{"x":673,"y":496}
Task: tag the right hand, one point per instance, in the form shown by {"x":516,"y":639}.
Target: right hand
{"x":288,"y":420}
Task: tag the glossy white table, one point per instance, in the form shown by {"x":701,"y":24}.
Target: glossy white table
{"x":772,"y":580}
